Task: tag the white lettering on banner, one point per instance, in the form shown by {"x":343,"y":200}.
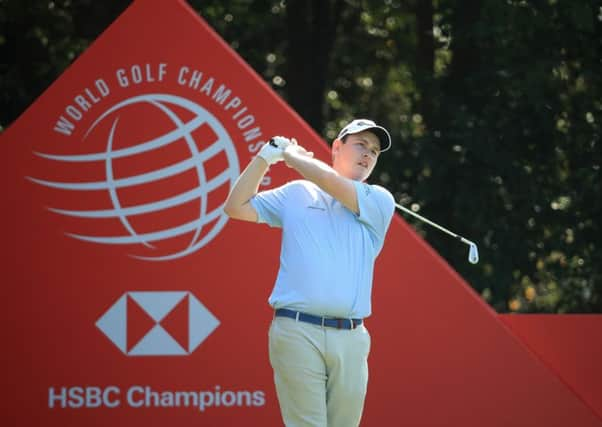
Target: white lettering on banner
{"x":83,"y":397}
{"x":150,"y":73}
{"x":84,"y":103}
{"x":146,"y":397}
{"x":137,"y":74}
{"x":221,"y":95}
{"x":137,"y":396}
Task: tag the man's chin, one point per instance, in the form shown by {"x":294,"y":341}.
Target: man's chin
{"x":361,"y":176}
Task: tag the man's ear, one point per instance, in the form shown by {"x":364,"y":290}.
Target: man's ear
{"x":336,"y":145}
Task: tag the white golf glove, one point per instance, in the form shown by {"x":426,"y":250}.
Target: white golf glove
{"x":272,"y":150}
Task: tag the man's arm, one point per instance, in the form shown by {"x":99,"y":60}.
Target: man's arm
{"x":322,"y":175}
{"x":238,"y":205}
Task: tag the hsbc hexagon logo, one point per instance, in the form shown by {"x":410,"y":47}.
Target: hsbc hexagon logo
{"x":158,"y":323}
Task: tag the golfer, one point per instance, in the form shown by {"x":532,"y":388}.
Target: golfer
{"x":333,"y":227}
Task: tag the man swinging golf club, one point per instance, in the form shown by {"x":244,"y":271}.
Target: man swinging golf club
{"x":333,"y":227}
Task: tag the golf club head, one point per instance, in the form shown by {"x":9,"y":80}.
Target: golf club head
{"x":473,"y":253}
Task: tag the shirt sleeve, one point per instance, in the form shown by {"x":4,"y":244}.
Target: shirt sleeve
{"x":376,"y":206}
{"x":269,"y":205}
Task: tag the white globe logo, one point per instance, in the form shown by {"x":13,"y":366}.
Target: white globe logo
{"x":122,"y":185}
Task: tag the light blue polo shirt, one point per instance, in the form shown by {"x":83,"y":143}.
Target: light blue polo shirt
{"x":327,"y":252}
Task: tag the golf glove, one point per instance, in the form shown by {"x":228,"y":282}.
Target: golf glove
{"x":272,"y":151}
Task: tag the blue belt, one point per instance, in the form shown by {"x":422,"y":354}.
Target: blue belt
{"x":318,"y":320}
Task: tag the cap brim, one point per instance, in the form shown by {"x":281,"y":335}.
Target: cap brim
{"x":383,"y":136}
{"x":381,"y":133}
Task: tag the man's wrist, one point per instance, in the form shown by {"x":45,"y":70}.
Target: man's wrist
{"x":262,"y":160}
{"x":270,"y":154}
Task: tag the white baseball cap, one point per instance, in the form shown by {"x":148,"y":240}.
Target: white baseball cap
{"x":359,"y":125}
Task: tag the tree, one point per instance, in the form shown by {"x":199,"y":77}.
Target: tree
{"x":494,"y":108}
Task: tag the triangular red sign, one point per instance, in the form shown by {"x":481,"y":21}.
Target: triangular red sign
{"x":114,"y":181}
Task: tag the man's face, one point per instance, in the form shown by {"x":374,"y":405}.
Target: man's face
{"x":356,"y":157}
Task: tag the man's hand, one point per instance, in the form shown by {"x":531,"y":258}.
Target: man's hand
{"x":273,"y":150}
{"x":281,"y":142}
{"x":294,"y":149}
{"x":323,"y":175}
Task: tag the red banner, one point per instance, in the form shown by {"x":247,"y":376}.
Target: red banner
{"x":570,"y":346}
{"x":132,"y":300}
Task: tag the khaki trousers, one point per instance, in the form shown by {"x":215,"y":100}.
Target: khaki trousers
{"x":321,"y":374}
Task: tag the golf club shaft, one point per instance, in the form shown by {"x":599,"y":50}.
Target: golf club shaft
{"x":437,"y":226}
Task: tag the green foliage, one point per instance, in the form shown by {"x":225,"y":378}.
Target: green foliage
{"x":39,"y":39}
{"x":495,"y":107}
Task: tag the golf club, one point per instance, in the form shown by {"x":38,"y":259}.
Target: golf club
{"x":473,"y":252}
